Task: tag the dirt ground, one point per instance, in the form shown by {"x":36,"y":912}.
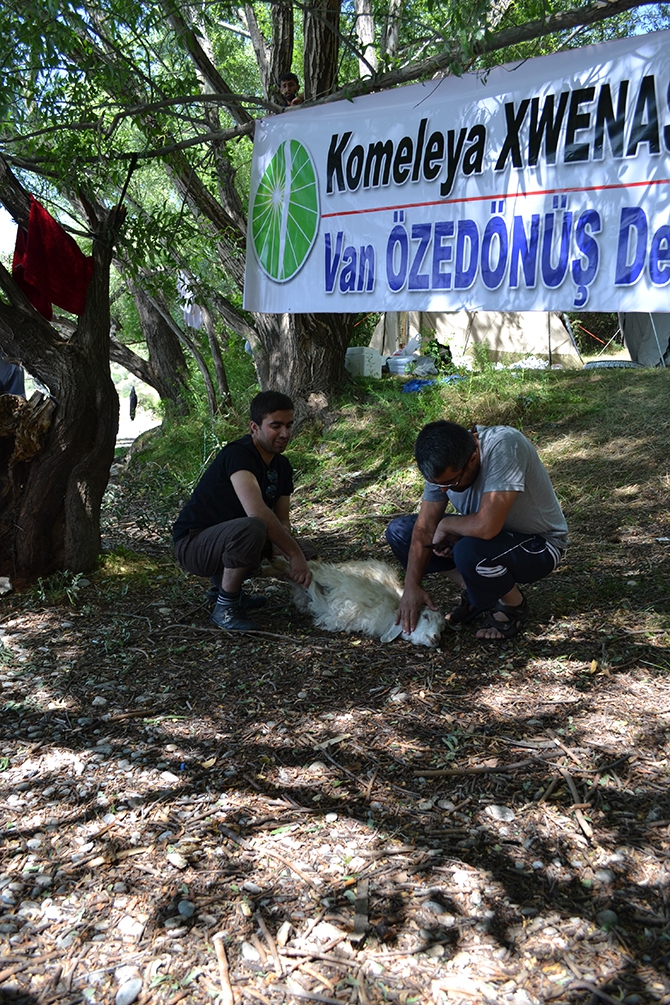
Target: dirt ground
{"x":295,"y":816}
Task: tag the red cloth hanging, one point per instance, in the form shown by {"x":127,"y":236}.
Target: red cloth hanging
{"x":49,"y":265}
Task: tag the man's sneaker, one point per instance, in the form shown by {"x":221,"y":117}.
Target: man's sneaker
{"x":231,"y":617}
{"x":247,"y":601}
{"x":252,"y":601}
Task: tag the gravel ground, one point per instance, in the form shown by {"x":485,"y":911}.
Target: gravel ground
{"x":294,"y":816}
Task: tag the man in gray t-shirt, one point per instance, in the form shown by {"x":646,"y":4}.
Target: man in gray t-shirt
{"x":508,"y":527}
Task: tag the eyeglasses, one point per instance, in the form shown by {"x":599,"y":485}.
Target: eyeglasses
{"x":453,"y":483}
{"x":271,"y":490}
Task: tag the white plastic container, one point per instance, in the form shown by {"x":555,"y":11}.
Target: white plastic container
{"x":400,"y":364}
{"x":361,"y":361}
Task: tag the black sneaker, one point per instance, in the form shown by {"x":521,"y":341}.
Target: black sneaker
{"x":247,"y":601}
{"x":252,"y":601}
{"x":231,"y":617}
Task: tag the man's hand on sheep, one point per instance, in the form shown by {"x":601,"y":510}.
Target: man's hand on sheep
{"x":411,"y":602}
{"x":299,"y":571}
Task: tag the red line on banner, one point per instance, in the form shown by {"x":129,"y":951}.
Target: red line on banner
{"x":493,"y":198}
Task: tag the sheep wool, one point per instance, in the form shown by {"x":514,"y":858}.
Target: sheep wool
{"x":359,"y":597}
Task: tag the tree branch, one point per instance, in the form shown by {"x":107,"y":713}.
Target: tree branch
{"x":162,"y":308}
{"x":592,"y":13}
{"x":224,"y":136}
{"x":145,"y":109}
{"x":124,"y":356}
{"x":13,"y":196}
{"x":261,"y":48}
{"x":205,"y":65}
{"x":232,"y":317}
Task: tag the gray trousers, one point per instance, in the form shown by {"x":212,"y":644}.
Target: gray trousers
{"x":235,"y":544}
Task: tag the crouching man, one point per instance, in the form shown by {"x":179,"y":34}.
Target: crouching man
{"x":508,"y":527}
{"x":239,"y":511}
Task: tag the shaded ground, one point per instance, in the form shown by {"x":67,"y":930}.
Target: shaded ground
{"x":482,"y":823}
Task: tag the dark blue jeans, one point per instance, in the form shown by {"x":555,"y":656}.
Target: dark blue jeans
{"x":489,"y":568}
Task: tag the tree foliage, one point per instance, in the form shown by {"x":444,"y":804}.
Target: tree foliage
{"x":90,"y":89}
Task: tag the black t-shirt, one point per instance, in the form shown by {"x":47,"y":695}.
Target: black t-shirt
{"x":214,"y":499}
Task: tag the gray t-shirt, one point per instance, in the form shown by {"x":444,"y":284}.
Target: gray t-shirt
{"x":509,"y":463}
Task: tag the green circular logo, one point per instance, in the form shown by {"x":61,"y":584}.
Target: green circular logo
{"x":285,"y":212}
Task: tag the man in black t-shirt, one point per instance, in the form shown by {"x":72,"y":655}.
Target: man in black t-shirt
{"x":239,"y":507}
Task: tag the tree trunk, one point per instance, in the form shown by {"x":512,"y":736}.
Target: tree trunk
{"x":365,"y":30}
{"x":303,"y":356}
{"x":322,"y":40}
{"x":159,"y":302}
{"x":165,"y":354}
{"x":217,"y":359}
{"x":56,"y":524}
{"x":281,"y":50}
{"x":275,"y":57}
{"x":391,"y":32}
{"x":23,"y":429}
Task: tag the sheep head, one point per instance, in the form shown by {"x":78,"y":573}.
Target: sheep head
{"x":428,"y":631}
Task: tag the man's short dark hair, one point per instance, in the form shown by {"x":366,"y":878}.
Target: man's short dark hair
{"x":289,"y":76}
{"x":267,"y":402}
{"x":441,"y":445}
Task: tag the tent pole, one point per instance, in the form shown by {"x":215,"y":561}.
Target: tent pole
{"x":549,"y":337}
{"x":660,"y":353}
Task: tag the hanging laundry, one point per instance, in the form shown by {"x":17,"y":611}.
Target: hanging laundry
{"x":191,"y":312}
{"x":49,"y":266}
{"x":192,"y":316}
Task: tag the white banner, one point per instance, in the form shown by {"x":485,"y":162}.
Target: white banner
{"x":542,"y":185}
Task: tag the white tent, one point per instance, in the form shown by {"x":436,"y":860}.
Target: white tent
{"x":510,"y":336}
{"x":647,"y":338}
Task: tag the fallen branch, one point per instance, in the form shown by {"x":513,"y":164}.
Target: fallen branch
{"x":18,"y":967}
{"x":483,"y":769}
{"x":602,"y":995}
{"x":404,"y":849}
{"x":227,"y":997}
{"x":230,"y":635}
{"x":581,"y":819}
{"x":307,"y":994}
{"x":289,"y":865}
{"x":361,"y":910}
{"x":271,"y":944}
{"x":184,"y":993}
{"x":549,"y":789}
{"x":302,"y":955}
{"x":566,"y":750}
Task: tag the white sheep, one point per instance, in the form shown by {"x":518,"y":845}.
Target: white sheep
{"x":358,"y":597}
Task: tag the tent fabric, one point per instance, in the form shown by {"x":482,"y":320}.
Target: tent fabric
{"x":510,"y":336}
{"x":49,"y":266}
{"x":647,"y":337}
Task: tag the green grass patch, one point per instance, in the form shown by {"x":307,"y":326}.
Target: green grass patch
{"x":59,"y":588}
{"x":601,"y":433}
{"x":122,"y":563}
